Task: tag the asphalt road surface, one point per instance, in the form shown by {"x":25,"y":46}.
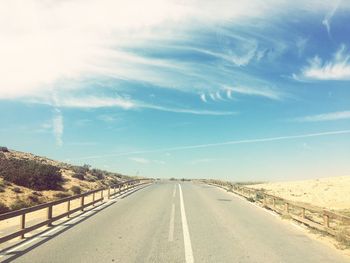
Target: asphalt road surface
{"x":175,"y":222}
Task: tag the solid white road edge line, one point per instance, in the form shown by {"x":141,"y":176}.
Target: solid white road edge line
{"x":171,"y":224}
{"x":186,"y":233}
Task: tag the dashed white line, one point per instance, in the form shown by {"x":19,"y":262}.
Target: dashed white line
{"x":186,"y":233}
{"x":171,"y":224}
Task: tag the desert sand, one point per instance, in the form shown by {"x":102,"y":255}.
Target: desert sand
{"x":331,"y":193}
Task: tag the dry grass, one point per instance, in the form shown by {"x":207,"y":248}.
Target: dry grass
{"x":15,"y":196}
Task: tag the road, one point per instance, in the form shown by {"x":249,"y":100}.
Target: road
{"x":177,"y":222}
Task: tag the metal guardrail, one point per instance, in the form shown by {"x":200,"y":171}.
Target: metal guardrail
{"x":296,"y":210}
{"x":111,"y":191}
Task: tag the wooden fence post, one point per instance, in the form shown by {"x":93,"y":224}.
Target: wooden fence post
{"x":286,"y":206}
{"x":303,"y":213}
{"x":326,"y":220}
{"x":82,"y":203}
{"x":93,"y":198}
{"x":68,"y":207}
{"x":274,"y":202}
{"x":49,"y":215}
{"x":109,"y":192}
{"x":102,"y":194}
{"x":23,"y":223}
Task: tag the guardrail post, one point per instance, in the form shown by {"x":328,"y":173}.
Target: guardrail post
{"x":49,"y":215}
{"x":286,"y":207}
{"x":303,"y":213}
{"x":326,"y":220}
{"x":68,"y":208}
{"x":82,"y":203}
{"x":109,"y":192}
{"x":93,"y":198}
{"x":23,"y":223}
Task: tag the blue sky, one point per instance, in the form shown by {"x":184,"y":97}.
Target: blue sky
{"x":237,"y":90}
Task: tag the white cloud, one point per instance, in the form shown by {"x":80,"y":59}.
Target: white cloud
{"x":333,"y":116}
{"x":140,"y":160}
{"x":233,"y":142}
{"x":218,"y":95}
{"x":189,"y":111}
{"x":328,"y":18}
{"x":57,"y":127}
{"x":91,"y":102}
{"x":45,"y":43}
{"x":95,"y":102}
{"x":203,"y":98}
{"x":252,"y":91}
{"x":229,"y":94}
{"x":338,"y":68}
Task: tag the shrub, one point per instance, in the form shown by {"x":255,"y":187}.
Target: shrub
{"x":31,"y":174}
{"x":17,"y":190}
{"x":4,"y":149}
{"x":79,"y":175}
{"x":250,"y":199}
{"x":19,"y":204}
{"x":76,"y":189}
{"x":3,"y":208}
{"x":259,"y":196}
{"x":61,"y":195}
{"x":2,"y":187}
{"x":99,"y":174}
{"x":33,"y":199}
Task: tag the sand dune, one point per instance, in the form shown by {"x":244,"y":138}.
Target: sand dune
{"x":331,"y":193}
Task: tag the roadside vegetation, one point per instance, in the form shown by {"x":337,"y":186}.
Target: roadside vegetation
{"x":27,"y":180}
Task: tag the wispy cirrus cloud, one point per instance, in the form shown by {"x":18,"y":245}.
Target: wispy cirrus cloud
{"x":209,"y":145}
{"x":228,"y":92}
{"x":57,"y":127}
{"x":338,"y":68}
{"x":139,"y":160}
{"x":328,"y":18}
{"x":266,"y":92}
{"x":63,"y":41}
{"x":94,"y":102}
{"x":332,"y":116}
{"x":203,"y":97}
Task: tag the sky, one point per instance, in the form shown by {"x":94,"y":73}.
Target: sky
{"x":229,"y":89}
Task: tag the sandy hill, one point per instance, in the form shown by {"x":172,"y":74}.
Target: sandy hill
{"x":27,"y":179}
{"x":331,"y":193}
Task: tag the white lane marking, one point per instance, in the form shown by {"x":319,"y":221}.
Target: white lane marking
{"x":171,"y":224}
{"x":174,"y":192}
{"x":186,"y":233}
{"x":298,"y":226}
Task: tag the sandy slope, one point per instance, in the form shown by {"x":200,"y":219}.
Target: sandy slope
{"x":331,"y":193}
